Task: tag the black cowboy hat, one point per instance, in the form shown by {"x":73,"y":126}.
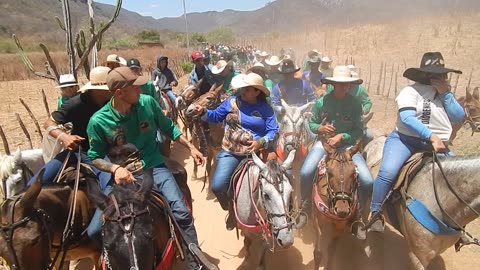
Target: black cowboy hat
{"x":287,"y":66}
{"x":432,"y":63}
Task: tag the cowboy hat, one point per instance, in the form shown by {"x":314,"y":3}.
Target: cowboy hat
{"x":220,"y":66}
{"x":313,"y":59}
{"x":288,"y":66}
{"x":432,"y":63}
{"x":250,"y":79}
{"x":353,"y":70}
{"x":264,"y":54}
{"x":326,"y":59}
{"x":66,"y":80}
{"x":113,"y":58}
{"x":257,"y":66}
{"x":273,"y":61}
{"x":98,"y":79}
{"x":341,"y":74}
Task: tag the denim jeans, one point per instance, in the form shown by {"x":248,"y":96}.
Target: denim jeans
{"x":164,"y":182}
{"x":309,"y":168}
{"x":53,"y":167}
{"x":397,"y":150}
{"x":171,"y":95}
{"x":367,"y":136}
{"x":226,"y":164}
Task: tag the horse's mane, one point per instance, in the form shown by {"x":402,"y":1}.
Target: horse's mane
{"x":277,"y":172}
{"x":7,"y":164}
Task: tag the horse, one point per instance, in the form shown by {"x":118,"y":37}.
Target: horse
{"x":209,"y":146}
{"x":32,"y":226}
{"x":453,"y":196}
{"x":335,"y":197}
{"x":262,"y":203}
{"x":189,"y":94}
{"x":16,"y":169}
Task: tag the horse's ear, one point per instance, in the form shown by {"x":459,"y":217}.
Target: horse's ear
{"x":17,"y":157}
{"x":284,"y":103}
{"x":147,"y":185}
{"x":327,"y":147}
{"x":199,"y":83}
{"x":95,"y":194}
{"x":475,"y":94}
{"x":306,"y":107}
{"x":259,"y":162}
{"x":462,"y":101}
{"x":354,"y":149}
{"x":288,"y":162}
{"x":468,"y":96}
{"x":32,"y":192}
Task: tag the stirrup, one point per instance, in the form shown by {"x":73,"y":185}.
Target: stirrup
{"x":360,"y":232}
{"x":204,"y":262}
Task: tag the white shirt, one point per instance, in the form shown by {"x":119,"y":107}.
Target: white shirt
{"x":429,"y":110}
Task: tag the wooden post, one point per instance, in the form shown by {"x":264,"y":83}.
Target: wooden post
{"x":4,"y":140}
{"x":379,"y":84}
{"x":24,"y":129}
{"x":469,"y":78}
{"x":45,"y":103}
{"x":384,"y":77}
{"x":456,"y":84}
{"x":391,"y":79}
{"x":35,"y":121}
{"x":370,"y":75}
{"x":396,"y":83}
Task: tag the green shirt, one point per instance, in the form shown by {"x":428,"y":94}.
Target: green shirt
{"x":149,"y":89}
{"x":227,"y":87}
{"x":61,"y":100}
{"x":139,"y":128}
{"x":269,"y":84}
{"x":360,"y":93}
{"x":344,"y":114}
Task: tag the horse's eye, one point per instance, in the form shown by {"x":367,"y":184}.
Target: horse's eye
{"x":266,"y":197}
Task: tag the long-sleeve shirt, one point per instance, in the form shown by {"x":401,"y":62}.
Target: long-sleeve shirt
{"x":315,"y":79}
{"x":344,"y":114}
{"x":208,"y":81}
{"x":360,"y":93}
{"x":259,"y":118}
{"x":296,"y":92}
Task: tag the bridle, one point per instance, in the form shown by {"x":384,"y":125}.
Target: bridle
{"x":342,"y":195}
{"x":297,"y":135}
{"x":26,"y":174}
{"x":7,"y":230}
{"x":472,"y":120}
{"x":127,"y":229}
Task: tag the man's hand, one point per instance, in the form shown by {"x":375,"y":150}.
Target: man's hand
{"x":335,"y":140}
{"x":174,"y":83}
{"x":437,"y":144}
{"x":326,"y":130}
{"x":199,"y":110}
{"x":440,"y":84}
{"x":122,"y":175}
{"x":70,"y":141}
{"x":254,"y":146}
{"x":198,"y":157}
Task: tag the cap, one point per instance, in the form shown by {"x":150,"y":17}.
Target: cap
{"x":133,"y":63}
{"x":196,"y":55}
{"x":122,"y":77}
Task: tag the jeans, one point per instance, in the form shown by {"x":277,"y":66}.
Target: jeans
{"x":397,"y":150}
{"x":171,"y":95}
{"x":164,"y":182}
{"x":53,"y":167}
{"x":226,"y":164}
{"x":367,"y":136}
{"x":309,"y":168}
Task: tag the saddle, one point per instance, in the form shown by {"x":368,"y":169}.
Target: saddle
{"x":410,"y":169}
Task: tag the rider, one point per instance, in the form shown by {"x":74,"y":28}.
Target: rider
{"x":325,"y":67}
{"x":149,"y":87}
{"x":273,"y":63}
{"x":426,"y":111}
{"x":294,"y":91}
{"x":200,"y":71}
{"x":311,"y":54}
{"x":337,"y":117}
{"x":250,"y":126}
{"x":114,"y":61}
{"x":78,"y":111}
{"x":69,"y":87}
{"x":313,"y":74}
{"x":171,"y":80}
{"x":224,"y":72}
{"x":137,"y":118}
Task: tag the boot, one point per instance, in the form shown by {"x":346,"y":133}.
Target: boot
{"x":377,"y":222}
{"x":305,"y":211}
{"x":358,"y":227}
{"x":231,"y":221}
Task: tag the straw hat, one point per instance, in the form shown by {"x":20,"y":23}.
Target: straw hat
{"x":273,"y":61}
{"x":326,"y":59}
{"x":113,"y":58}
{"x":257,"y":66}
{"x":342,"y":74}
{"x":219,"y":67}
{"x":66,"y":80}
{"x":432,"y":63}
{"x":98,"y":79}
{"x":264,"y":54}
{"x":251,"y":79}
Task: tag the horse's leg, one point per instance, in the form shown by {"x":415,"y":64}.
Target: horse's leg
{"x":331,"y":245}
{"x":262,"y":263}
{"x":247,"y":242}
{"x":414,"y":262}
{"x":317,"y":252}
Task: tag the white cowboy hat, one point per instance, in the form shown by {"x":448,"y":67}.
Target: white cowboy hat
{"x":257,"y":66}
{"x":113,"y":58}
{"x":264,"y":54}
{"x":250,"y":79}
{"x":66,"y":80}
{"x":342,"y":74}
{"x":326,"y":59}
{"x":98,"y":79}
{"x":219,"y":67}
{"x":273,"y":61}
{"x":353,"y":70}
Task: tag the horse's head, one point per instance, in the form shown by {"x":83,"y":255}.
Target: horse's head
{"x":276,"y":195}
{"x":13,"y":174}
{"x":341,"y":179}
{"x":25,"y":237}
{"x":208,"y":100}
{"x":189,"y":93}
{"x":471,"y":104}
{"x":128,"y":237}
{"x":293,"y":125}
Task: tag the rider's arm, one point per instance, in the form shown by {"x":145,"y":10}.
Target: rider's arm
{"x":354,"y":134}
{"x":315,"y":120}
{"x":164,"y":123}
{"x":364,"y":99}
{"x":98,"y":147}
{"x":409,"y":118}
{"x":454,"y":110}
{"x":276,"y":104}
{"x":271,"y":127}
{"x":308,"y":91}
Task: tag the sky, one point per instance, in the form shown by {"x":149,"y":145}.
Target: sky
{"x":174,"y":8}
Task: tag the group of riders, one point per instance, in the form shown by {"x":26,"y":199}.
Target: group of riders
{"x":117,"y":113}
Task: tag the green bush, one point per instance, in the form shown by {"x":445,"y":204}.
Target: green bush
{"x":149,"y":35}
{"x":221,"y":34}
{"x":186,"y":66}
{"x":120,"y":43}
{"x":7,"y":46}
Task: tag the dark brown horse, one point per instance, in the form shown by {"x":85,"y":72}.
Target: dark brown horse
{"x":335,"y":198}
{"x":33,"y":222}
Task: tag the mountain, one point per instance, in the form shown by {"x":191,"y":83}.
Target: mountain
{"x":27,"y":17}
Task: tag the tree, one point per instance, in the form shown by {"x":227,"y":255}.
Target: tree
{"x":149,"y":35}
{"x":198,"y":38}
{"x":221,"y":34}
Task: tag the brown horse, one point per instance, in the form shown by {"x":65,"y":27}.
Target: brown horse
{"x":187,"y":96}
{"x":33,"y":222}
{"x":210,"y":146}
{"x":335,"y":198}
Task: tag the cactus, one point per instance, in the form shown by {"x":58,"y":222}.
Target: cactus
{"x":26,"y":61}
{"x":59,"y":22}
